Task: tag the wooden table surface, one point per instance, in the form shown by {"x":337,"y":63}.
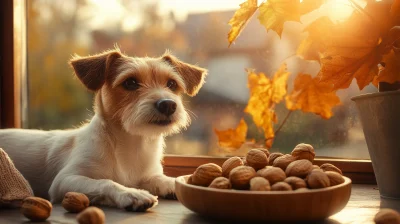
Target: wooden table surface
{"x":363,"y":205}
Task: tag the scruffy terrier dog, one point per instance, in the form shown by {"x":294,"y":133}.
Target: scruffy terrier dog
{"x":115,"y":159}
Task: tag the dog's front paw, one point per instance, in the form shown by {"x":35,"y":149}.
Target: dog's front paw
{"x":136,"y":200}
{"x":167,"y":190}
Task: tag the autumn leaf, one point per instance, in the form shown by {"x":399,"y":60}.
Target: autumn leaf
{"x":264,"y":94}
{"x":309,"y":96}
{"x":233,"y":138}
{"x":391,"y":72}
{"x":310,"y":47}
{"x":350,"y":50}
{"x":240,"y":19}
{"x":274,"y":13}
{"x":307,"y":6}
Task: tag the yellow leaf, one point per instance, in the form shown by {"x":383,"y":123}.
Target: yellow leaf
{"x":279,"y":84}
{"x":240,"y":19}
{"x":309,"y":96}
{"x":274,"y":13}
{"x":307,"y":6}
{"x":310,"y":47}
{"x":391,"y":73}
{"x":233,"y":138}
{"x":352,"y":50}
{"x":264,"y":94}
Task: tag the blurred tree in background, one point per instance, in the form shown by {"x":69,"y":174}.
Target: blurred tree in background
{"x":56,"y":99}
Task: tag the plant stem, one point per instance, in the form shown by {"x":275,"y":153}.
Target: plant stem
{"x":283,"y":122}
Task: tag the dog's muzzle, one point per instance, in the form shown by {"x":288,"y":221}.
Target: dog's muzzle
{"x":166,"y":106}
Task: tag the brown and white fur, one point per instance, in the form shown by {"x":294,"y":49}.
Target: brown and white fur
{"x":115,"y":159}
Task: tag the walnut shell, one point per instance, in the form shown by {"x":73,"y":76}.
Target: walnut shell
{"x":36,"y":209}
{"x":265,"y":151}
{"x":330,"y":167}
{"x":229,"y":164}
{"x":272,"y":174}
{"x":299,"y":168}
{"x":316,"y":167}
{"x":259,"y":184}
{"x":283,"y":161}
{"x":221,"y":183}
{"x":205,"y":174}
{"x":281,"y":186}
{"x":256,"y":159}
{"x":240,"y":177}
{"x":334,"y":178}
{"x":317,"y":179}
{"x":91,"y":215}
{"x":296,"y":182}
{"x":304,"y":151}
{"x":273,"y":156}
{"x":387,"y":216}
{"x":75,"y":202}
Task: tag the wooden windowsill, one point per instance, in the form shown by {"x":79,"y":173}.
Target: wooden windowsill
{"x":359,"y":171}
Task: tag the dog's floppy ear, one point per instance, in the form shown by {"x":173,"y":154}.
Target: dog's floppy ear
{"x":92,"y":70}
{"x":192,"y":75}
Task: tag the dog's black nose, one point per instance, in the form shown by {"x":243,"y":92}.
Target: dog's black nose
{"x":166,"y":106}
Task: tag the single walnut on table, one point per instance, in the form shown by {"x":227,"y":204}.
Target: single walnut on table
{"x":36,"y":209}
{"x":75,"y":202}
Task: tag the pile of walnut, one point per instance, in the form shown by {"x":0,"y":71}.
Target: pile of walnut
{"x":38,"y":209}
{"x":264,"y":171}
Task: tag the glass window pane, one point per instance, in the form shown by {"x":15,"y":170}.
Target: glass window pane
{"x":196,"y":32}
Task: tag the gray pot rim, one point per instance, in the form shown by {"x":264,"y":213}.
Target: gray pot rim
{"x":378,"y":94}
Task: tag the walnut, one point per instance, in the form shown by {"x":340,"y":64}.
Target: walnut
{"x":304,"y":151}
{"x":317,"y":179}
{"x":334,"y":178}
{"x":221,"y":183}
{"x":259,"y":184}
{"x":299,"y":168}
{"x":272,"y":174}
{"x":36,"y":209}
{"x":283,"y":161}
{"x":281,"y":186}
{"x":240,"y":177}
{"x":330,"y":167}
{"x":273,"y":156}
{"x":205,"y":174}
{"x":296,"y":182}
{"x":91,"y":215}
{"x":265,"y":151}
{"x":256,"y":159}
{"x":75,"y":202}
{"x":229,"y":164}
{"x":387,"y":216}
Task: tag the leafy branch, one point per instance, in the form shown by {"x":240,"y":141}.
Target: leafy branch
{"x":345,"y":51}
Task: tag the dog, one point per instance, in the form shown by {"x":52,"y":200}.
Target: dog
{"x":116,"y":158}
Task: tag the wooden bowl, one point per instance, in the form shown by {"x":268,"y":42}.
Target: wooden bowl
{"x":309,"y":205}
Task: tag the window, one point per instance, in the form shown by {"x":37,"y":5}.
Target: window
{"x":196,"y":32}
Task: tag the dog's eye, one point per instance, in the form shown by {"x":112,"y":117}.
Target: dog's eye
{"x":131,"y":84}
{"x":171,"y":84}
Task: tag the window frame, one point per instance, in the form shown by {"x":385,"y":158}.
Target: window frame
{"x":13,"y":89}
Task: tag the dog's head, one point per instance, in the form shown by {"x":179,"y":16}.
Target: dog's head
{"x":143,"y":95}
